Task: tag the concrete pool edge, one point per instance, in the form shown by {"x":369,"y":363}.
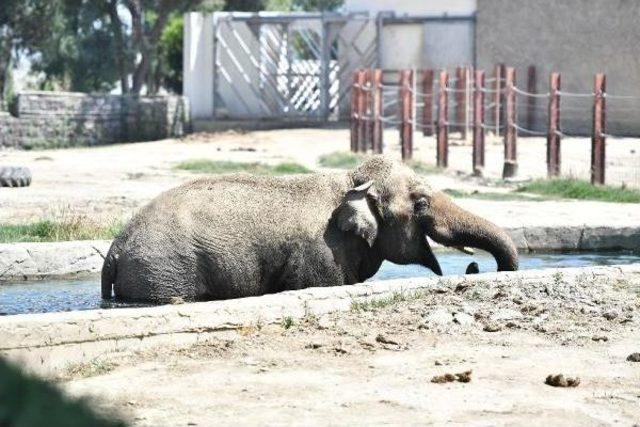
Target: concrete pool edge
{"x":37,"y":261}
{"x":51,"y":342}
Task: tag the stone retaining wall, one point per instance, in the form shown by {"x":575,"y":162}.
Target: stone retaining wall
{"x":33,"y":261}
{"x":50,"y":342}
{"x":66,"y":119}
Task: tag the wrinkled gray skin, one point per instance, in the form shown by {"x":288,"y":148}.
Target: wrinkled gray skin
{"x":239,"y":235}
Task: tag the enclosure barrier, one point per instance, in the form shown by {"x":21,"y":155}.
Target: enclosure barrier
{"x":481,"y":105}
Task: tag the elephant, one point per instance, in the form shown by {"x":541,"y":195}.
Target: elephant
{"x":241,"y":235}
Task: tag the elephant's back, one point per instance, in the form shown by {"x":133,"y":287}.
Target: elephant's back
{"x":248,"y":205}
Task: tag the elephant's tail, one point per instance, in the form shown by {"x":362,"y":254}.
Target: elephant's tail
{"x":109,"y":271}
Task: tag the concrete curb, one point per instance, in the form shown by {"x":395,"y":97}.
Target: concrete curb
{"x":34,"y":261}
{"x":50,"y":342}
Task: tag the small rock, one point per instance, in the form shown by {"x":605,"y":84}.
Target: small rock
{"x":437,"y":363}
{"x":340,"y":350}
{"x":560,"y":381}
{"x":462,"y":377}
{"x":384,"y":340}
{"x":313,"y":345}
{"x":439,"y":317}
{"x":505,"y":314}
{"x":610,"y":315}
{"x":492,"y":327}
{"x":324,"y":323}
{"x":598,"y":338}
{"x":634,"y":357}
{"x":463,"y":319}
{"x":176,"y":300}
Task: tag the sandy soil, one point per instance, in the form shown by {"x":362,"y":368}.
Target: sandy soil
{"x":113,"y":181}
{"x":375,"y":366}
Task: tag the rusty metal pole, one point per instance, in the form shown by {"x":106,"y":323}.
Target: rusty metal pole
{"x":497,"y":97}
{"x":427,"y":109}
{"x":376,"y":131}
{"x":598,"y":140}
{"x":553,"y":135}
{"x":511,"y":134}
{"x":443,"y":133}
{"x":503,"y":85}
{"x":362,"y":123}
{"x":531,"y":101}
{"x":406,"y":111}
{"x":354,"y":112}
{"x":478,"y":121}
{"x":460,"y":101}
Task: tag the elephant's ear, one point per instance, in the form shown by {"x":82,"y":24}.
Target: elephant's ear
{"x":355,"y":215}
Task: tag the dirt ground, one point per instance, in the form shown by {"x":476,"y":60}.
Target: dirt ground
{"x":111,"y":182}
{"x":375,"y":365}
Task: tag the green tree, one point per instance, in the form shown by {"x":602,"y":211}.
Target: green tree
{"x":171,"y":55}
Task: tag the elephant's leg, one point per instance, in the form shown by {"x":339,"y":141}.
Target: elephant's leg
{"x":310,"y":265}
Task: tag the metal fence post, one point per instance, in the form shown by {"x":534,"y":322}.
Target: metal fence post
{"x":497,"y":97}
{"x":443,"y":134}
{"x":531,"y":100}
{"x":427,"y":109}
{"x":406,"y":114}
{"x":510,"y":136}
{"x":598,"y":140}
{"x":460,"y":97}
{"x":376,"y":131}
{"x":478,"y":122}
{"x":354,"y":112}
{"x":362,"y":111}
{"x":553,"y":135}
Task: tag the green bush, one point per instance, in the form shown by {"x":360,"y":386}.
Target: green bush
{"x":26,"y":401}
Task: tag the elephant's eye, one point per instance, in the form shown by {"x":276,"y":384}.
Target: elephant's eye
{"x":420,"y":204}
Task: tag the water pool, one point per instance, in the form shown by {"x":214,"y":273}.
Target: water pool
{"x":71,"y":295}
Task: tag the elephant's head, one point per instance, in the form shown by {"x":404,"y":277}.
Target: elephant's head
{"x":394,"y":210}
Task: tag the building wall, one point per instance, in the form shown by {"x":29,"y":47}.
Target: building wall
{"x":577,"y":38}
{"x":412,"y":7}
{"x":65,"y":119}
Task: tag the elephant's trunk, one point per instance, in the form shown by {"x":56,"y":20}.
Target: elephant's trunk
{"x":450,"y":225}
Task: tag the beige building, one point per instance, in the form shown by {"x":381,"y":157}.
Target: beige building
{"x":577,"y":38}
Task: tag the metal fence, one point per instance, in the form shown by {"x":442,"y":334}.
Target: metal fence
{"x":288,"y":65}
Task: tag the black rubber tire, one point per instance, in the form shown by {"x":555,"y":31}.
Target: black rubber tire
{"x":12,"y":176}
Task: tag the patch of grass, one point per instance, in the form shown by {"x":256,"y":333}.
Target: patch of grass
{"x":422,"y":168}
{"x":287,"y":322}
{"x":341,"y":160}
{"x":576,"y":189}
{"x":378,"y":303}
{"x":492,"y":196}
{"x":76,"y":228}
{"x":90,"y":369}
{"x":216,"y":167}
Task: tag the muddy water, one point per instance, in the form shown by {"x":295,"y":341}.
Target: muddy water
{"x":70,"y":295}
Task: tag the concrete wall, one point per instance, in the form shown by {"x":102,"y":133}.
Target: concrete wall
{"x":65,"y":119}
{"x":198,"y":63}
{"x":577,"y":38}
{"x":50,"y":343}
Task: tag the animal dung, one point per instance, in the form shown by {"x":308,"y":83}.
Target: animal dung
{"x":633,"y":357}
{"x":462,"y":377}
{"x":562,"y":381}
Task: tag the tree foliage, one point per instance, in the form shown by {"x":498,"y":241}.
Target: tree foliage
{"x":92,"y":45}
